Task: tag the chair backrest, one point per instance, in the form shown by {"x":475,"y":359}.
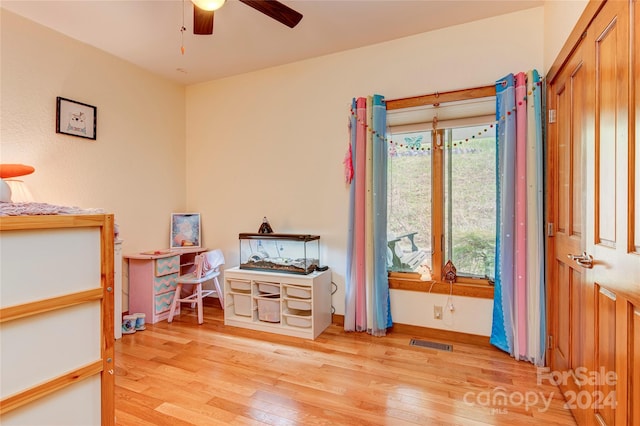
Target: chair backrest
{"x":198,"y":261}
{"x":208,"y":262}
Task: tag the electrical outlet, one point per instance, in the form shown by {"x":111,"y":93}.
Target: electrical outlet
{"x":437,"y":312}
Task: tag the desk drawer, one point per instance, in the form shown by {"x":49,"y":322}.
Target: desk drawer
{"x":162,"y":302}
{"x":167,"y":265}
{"x":164,"y":283}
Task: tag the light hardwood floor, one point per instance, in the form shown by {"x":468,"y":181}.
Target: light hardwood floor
{"x":189,"y":374}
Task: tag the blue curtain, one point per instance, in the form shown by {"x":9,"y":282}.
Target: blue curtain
{"x":519,"y":326}
{"x":367,"y":304}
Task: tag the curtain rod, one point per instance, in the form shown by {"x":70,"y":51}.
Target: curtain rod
{"x":437,"y":98}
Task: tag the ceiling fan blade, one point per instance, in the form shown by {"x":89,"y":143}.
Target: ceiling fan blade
{"x":202,"y":21}
{"x":276,"y":10}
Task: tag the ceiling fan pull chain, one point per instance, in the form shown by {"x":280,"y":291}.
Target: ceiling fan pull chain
{"x":182,"y":30}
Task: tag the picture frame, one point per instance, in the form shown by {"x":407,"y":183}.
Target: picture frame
{"x":76,"y":118}
{"x":185,"y":230}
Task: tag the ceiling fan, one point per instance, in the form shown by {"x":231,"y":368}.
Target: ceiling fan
{"x":203,"y":13}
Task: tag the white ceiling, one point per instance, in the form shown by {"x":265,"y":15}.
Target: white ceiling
{"x":147,"y":32}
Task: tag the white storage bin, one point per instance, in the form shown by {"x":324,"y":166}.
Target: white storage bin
{"x":300,"y":304}
{"x":242,"y":304}
{"x":299,"y":292}
{"x":268,"y":307}
{"x":268,"y":288}
{"x":301,"y":319}
{"x":240,"y":285}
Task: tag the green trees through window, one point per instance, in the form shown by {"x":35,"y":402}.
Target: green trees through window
{"x":442,"y":199}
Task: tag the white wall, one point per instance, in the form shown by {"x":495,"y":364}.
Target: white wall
{"x":271,"y":143}
{"x":136,"y":167}
{"x":560,"y":16}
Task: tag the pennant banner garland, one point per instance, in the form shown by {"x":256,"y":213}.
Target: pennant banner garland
{"x":415,"y":143}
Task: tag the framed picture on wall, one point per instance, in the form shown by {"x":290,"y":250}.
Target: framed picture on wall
{"x":185,"y":230}
{"x":75,"y":118}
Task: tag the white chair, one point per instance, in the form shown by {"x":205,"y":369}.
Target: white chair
{"x":207,"y":267}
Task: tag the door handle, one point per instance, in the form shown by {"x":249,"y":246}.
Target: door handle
{"x":585,"y":260}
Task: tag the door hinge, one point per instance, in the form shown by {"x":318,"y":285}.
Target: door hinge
{"x":550,"y":229}
{"x":549,"y":342}
{"x":552,"y":116}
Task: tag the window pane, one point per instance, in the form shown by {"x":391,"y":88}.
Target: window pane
{"x":409,"y":201}
{"x":470,"y":199}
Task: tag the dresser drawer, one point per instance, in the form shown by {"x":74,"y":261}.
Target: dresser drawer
{"x":164,"y":283}
{"x":167,"y":265}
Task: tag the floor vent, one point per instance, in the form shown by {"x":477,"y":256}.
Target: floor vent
{"x":432,"y":345}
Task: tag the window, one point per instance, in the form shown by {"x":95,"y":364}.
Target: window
{"x":442,"y":189}
{"x":470,"y":199}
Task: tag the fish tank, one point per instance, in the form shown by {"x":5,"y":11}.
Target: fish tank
{"x":290,"y":253}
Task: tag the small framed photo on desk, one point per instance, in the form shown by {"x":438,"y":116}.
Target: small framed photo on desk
{"x":185,"y":230}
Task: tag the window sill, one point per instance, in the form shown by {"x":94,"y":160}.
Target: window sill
{"x":463,"y":287}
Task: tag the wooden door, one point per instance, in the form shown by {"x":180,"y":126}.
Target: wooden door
{"x":570,"y":300}
{"x":594,"y":258}
{"x":633,"y":391}
{"x":612,"y":240}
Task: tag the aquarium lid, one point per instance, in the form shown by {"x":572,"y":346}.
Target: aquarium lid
{"x":272,"y":236}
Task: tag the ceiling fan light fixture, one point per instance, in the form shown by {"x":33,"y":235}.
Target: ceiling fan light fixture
{"x":209,"y":4}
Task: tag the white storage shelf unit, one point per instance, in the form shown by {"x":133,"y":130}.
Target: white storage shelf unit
{"x":294,"y":305}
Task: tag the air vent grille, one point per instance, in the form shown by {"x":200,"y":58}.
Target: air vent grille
{"x":432,"y":345}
